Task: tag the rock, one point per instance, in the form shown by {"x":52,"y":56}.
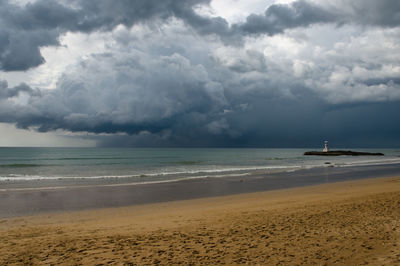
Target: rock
{"x":338,"y":153}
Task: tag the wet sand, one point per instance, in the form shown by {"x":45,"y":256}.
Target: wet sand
{"x":345,"y":223}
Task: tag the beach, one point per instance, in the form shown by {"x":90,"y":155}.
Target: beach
{"x":344,"y":223}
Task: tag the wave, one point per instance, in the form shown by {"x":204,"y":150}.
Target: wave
{"x":210,"y":171}
{"x":231,"y":171}
{"x":125,"y":183}
{"x":141,"y":179}
{"x":226,"y":169}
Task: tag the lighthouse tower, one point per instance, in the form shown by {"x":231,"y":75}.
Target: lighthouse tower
{"x":326,"y":149}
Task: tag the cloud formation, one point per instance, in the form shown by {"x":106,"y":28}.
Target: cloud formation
{"x":6,"y":92}
{"x":278,"y":18}
{"x":168,"y":76}
{"x":127,"y":90}
{"x":24,"y":29}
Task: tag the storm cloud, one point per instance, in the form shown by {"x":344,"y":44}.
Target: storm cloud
{"x":6,"y":92}
{"x":280,"y":17}
{"x":168,"y":75}
{"x":24,"y":29}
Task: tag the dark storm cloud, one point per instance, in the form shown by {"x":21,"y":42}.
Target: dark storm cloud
{"x":370,"y":12}
{"x":6,"y":92}
{"x":134,"y":93}
{"x":169,"y":101}
{"x":286,"y":123}
{"x":105,"y":14}
{"x":363,"y":124}
{"x":169,"y":90}
{"x":24,"y":29}
{"x":278,"y":18}
{"x":181,"y":104}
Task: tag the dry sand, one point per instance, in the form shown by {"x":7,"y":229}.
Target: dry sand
{"x":348,"y":223}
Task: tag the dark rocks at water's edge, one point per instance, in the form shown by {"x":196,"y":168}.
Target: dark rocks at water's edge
{"x":338,"y":153}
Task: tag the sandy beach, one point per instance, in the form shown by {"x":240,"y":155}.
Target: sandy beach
{"x":344,"y":223}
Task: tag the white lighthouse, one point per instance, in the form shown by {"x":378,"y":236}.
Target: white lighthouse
{"x":326,"y":149}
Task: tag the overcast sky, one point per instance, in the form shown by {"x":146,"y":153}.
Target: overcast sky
{"x":220,"y":73}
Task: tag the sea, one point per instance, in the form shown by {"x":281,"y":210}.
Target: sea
{"x":38,"y":167}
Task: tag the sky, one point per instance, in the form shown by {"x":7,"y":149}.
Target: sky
{"x":200,"y":73}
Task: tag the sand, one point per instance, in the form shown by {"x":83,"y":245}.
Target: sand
{"x":346,"y":223}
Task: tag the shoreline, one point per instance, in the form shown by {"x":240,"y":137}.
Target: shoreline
{"x":16,"y":203}
{"x":45,"y":182}
{"x":350,"y":222}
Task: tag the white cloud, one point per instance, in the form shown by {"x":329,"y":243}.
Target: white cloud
{"x":237,"y":10}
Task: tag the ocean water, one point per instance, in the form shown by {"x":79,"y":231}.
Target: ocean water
{"x":77,"y":166}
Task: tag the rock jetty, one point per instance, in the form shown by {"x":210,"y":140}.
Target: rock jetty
{"x":338,"y":153}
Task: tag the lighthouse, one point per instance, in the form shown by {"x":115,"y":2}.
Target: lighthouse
{"x":326,"y":149}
